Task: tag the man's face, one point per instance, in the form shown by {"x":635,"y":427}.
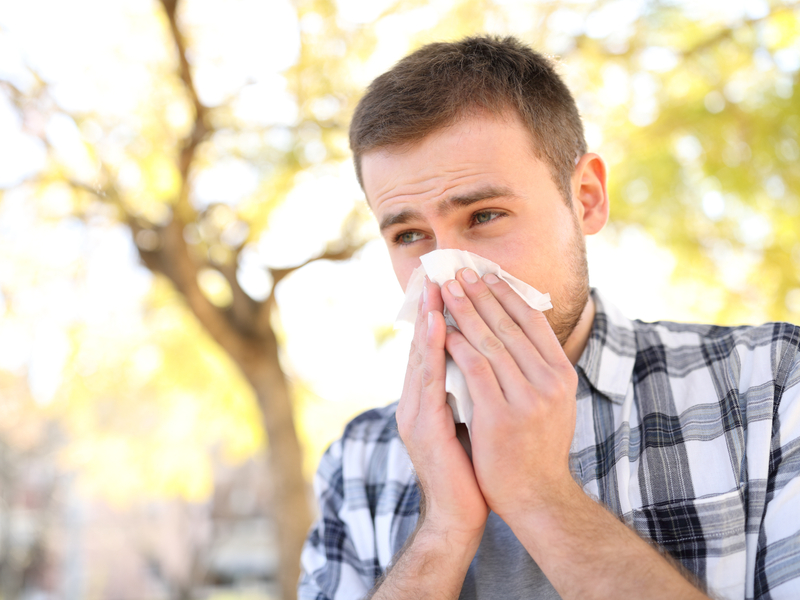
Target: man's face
{"x":477,"y":186}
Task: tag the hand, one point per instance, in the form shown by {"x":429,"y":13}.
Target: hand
{"x":523,"y":387}
{"x":453,"y":503}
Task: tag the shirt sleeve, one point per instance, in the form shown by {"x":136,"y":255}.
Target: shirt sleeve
{"x":330,"y":568}
{"x":777,"y":558}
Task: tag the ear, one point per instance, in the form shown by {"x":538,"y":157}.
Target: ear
{"x":589,"y":193}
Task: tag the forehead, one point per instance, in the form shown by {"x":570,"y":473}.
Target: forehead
{"x":468,"y":151}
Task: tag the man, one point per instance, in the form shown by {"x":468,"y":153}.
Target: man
{"x":610,"y":458}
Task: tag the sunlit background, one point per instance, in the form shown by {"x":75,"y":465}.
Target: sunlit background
{"x":186,"y":259}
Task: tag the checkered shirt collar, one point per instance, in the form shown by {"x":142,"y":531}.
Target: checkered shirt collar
{"x":610,"y":354}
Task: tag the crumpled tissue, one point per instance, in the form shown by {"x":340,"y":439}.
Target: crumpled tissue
{"x":440,"y":266}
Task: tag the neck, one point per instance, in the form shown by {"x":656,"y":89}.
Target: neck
{"x":577,"y":340}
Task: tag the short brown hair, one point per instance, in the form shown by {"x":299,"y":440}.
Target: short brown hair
{"x":442,"y":82}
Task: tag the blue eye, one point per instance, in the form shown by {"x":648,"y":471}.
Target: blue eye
{"x":485,"y":216}
{"x":408,"y":237}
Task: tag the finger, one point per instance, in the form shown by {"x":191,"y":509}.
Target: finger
{"x":434,"y":296}
{"x":506,"y":328}
{"x":432,"y":370}
{"x":430,"y":300}
{"x":533,"y":322}
{"x":482,"y":338}
{"x":408,"y":406}
{"x":481,"y":381}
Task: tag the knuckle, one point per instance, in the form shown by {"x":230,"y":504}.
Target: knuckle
{"x":566,"y":374}
{"x":562,"y":384}
{"x":491,"y":344}
{"x":553,"y":387}
{"x":571,"y":381}
{"x":504,"y":292}
{"x":428,"y":376}
{"x":509,"y":326}
{"x":479,"y":366}
{"x":484,"y":295}
{"x":571,"y":374}
{"x":414,"y":359}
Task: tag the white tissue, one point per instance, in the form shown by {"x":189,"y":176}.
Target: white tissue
{"x":440,"y":266}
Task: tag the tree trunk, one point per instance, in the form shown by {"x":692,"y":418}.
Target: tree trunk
{"x":248,"y":338}
{"x":290,"y":500}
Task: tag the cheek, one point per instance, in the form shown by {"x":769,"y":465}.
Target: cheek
{"x":528,"y":260}
{"x":403,"y":268}
{"x":514,"y":256}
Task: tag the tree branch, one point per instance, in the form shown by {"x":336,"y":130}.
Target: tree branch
{"x":201,"y":128}
{"x":171,"y":258}
{"x":334,"y":254}
{"x":170,"y":8}
{"x":243,"y":310}
{"x":349,"y":242}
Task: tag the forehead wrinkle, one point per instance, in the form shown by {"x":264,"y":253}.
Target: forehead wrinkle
{"x":423,"y":183}
{"x":435,"y":187}
{"x":434,"y":182}
{"x":436,"y":179}
{"x":393,"y":191}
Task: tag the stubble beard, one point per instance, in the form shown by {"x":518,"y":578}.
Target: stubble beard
{"x":568,"y":307}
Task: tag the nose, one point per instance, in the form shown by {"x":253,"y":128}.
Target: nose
{"x":446,"y":241}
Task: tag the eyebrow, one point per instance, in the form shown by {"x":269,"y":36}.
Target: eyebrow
{"x":447,"y":205}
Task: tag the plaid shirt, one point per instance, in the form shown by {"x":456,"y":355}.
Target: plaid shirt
{"x":689,"y":433}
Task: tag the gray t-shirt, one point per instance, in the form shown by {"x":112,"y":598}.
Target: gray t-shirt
{"x":503,"y":569}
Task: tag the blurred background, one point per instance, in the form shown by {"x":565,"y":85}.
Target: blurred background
{"x":194,"y":301}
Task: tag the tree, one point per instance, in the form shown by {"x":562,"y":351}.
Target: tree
{"x":700,"y":126}
{"x":695,"y":112}
{"x":198,"y":249}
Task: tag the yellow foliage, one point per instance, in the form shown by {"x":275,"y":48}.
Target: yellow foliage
{"x":149,"y":415}
{"x":782,"y":30}
{"x":161,"y":178}
{"x":151,"y":404}
{"x":215,"y":287}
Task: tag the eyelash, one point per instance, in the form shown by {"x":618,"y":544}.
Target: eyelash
{"x":498,"y":214}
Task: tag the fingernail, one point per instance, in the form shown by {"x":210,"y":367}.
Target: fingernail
{"x":491,"y":278}
{"x":456,"y":289}
{"x":469,"y":276}
{"x":430,"y":320}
